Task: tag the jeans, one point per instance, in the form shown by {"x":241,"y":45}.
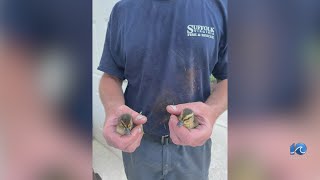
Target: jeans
{"x":153,"y":160}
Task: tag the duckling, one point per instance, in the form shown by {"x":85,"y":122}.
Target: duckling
{"x":187,"y":119}
{"x":125,"y":124}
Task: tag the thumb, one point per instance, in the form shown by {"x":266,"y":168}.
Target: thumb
{"x":140,"y":119}
{"x":173,"y":109}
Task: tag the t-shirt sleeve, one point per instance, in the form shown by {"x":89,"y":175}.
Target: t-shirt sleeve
{"x":112,"y":62}
{"x":220,"y":70}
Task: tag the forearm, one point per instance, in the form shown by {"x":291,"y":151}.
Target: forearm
{"x":111,"y":93}
{"x":218,"y":100}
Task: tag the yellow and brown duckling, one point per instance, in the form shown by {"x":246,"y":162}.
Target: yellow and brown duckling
{"x":187,"y":119}
{"x":125,"y":124}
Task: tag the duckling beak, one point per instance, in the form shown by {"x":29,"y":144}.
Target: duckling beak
{"x":180,"y":123}
{"x":127,"y":131}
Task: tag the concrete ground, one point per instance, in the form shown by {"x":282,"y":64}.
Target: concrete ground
{"x":107,"y":161}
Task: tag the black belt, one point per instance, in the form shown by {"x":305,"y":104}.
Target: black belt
{"x":160,"y":139}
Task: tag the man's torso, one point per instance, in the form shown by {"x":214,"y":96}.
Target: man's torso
{"x":169,"y":49}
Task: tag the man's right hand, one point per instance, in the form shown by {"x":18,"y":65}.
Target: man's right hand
{"x":126,"y":143}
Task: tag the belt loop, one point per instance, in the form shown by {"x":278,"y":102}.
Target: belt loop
{"x":164,"y":139}
{"x":167,"y":140}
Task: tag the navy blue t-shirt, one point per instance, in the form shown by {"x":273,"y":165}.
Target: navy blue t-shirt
{"x":167,"y":50}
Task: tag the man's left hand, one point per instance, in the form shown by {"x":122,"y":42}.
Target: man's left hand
{"x":193,"y":137}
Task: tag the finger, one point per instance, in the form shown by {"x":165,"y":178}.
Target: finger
{"x":122,"y":142}
{"x":177,"y":109}
{"x":137,"y":118}
{"x":173,"y":136}
{"x":135,"y":133}
{"x":180,"y":133}
{"x":132,"y":147}
{"x":172,"y":109}
{"x":173,"y":121}
{"x":183,"y":135}
{"x":201,"y":133}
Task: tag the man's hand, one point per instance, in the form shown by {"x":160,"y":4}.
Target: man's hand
{"x":193,"y":137}
{"x":126,"y":143}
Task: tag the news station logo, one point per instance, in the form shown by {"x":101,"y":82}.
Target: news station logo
{"x":298,"y":148}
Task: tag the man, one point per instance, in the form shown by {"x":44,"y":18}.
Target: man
{"x":166,"y":49}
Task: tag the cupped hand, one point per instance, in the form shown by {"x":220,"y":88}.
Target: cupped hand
{"x":126,"y":143}
{"x":194,"y":137}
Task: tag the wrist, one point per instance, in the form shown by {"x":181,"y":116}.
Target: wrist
{"x":112,"y":108}
{"x":214,"y":111}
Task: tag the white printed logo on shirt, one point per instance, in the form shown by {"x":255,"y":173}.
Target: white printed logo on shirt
{"x":200,"y":31}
